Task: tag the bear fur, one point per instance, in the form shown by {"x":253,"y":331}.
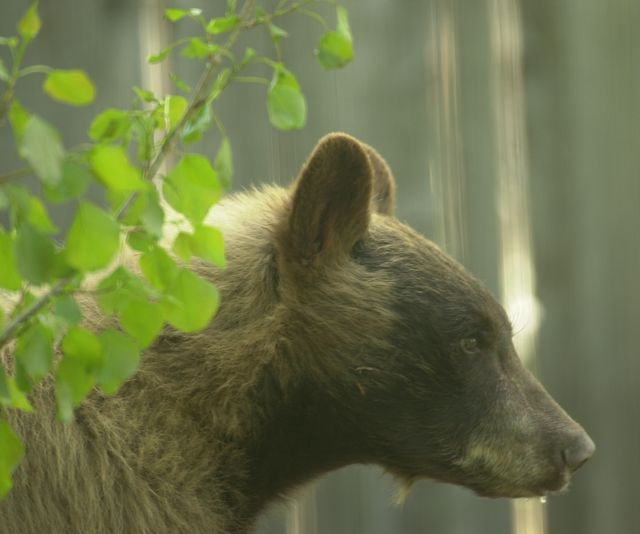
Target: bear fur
{"x":343,"y":337}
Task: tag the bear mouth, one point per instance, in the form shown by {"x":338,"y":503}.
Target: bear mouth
{"x":485,"y":483}
{"x":553,"y":485}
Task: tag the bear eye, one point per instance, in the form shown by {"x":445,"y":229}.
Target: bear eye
{"x":470,"y":344}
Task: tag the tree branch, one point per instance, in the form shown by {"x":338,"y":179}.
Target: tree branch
{"x":15,"y":324}
{"x":198,"y":100}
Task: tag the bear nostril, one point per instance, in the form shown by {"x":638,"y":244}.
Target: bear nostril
{"x":578,"y":452}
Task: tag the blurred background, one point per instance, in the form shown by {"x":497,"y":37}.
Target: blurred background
{"x":513,"y":129}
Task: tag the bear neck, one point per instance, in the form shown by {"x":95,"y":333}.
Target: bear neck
{"x":304,"y":437}
{"x":254,"y":423}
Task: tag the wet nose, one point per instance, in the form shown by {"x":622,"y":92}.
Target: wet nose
{"x":578,"y":452}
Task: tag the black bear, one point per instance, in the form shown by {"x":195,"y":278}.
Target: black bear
{"x":343,"y":337}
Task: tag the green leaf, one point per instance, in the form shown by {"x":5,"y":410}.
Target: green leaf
{"x":56,"y":325}
{"x":18,"y":117}
{"x":34,"y":351}
{"x":208,"y":244}
{"x":70,"y":86}
{"x":112,"y":167}
{"x":83,"y":345}
{"x":9,"y":277}
{"x":121,"y":359}
{"x":35,"y":255}
{"x":39,"y":218}
{"x":182,"y":246}
{"x":180,"y":83}
{"x":198,"y":49}
{"x":163,"y":54}
{"x":41,"y":147}
{"x":74,"y":182}
{"x":175,"y":15}
{"x":197,"y":125}
{"x":26,"y":207}
{"x":152,"y":216}
{"x":223,"y":24}
{"x":117,"y":289}
{"x":75,"y":375}
{"x":285,"y":102}
{"x":192,"y":187}
{"x":249,"y":54}
{"x":343,"y":22}
{"x":174,"y":109}
{"x":73,"y":383}
{"x":11,"y":452}
{"x":277,"y":33}
{"x":158,"y":268}
{"x":142,"y":320}
{"x":192,"y":304}
{"x":11,"y":395}
{"x":29,"y":24}
{"x":145,"y":210}
{"x":223,"y":163}
{"x":93,"y":238}
{"x":334,"y":50}
{"x":144,"y":95}
{"x":110,"y":125}
{"x":140,"y":240}
{"x":67,"y":309}
{"x":11,"y":42}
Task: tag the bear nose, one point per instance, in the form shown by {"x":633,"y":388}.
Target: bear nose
{"x":580,"y":450}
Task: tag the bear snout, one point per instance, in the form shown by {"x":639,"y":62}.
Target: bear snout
{"x":578,"y":452}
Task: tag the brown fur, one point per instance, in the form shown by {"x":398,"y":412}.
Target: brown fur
{"x":306,"y":368}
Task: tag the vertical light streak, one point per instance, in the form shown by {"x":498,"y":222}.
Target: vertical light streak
{"x":447,"y":170}
{"x":152,"y":37}
{"x":517,"y":274}
{"x":302,"y":512}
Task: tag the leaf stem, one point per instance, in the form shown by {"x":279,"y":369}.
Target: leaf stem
{"x":251,"y":79}
{"x":35,"y":69}
{"x":218,"y":122}
{"x":11,"y":84}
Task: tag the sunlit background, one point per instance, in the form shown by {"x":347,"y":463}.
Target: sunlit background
{"x":513,"y":128}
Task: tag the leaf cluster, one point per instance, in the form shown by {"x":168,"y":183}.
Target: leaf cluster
{"x":44,"y":269}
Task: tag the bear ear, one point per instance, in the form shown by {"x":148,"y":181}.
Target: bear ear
{"x":384,"y":190}
{"x":331,"y":201}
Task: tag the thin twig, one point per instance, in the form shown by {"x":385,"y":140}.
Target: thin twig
{"x":279,"y":13}
{"x":15,"y":324}
{"x":12,"y":175}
